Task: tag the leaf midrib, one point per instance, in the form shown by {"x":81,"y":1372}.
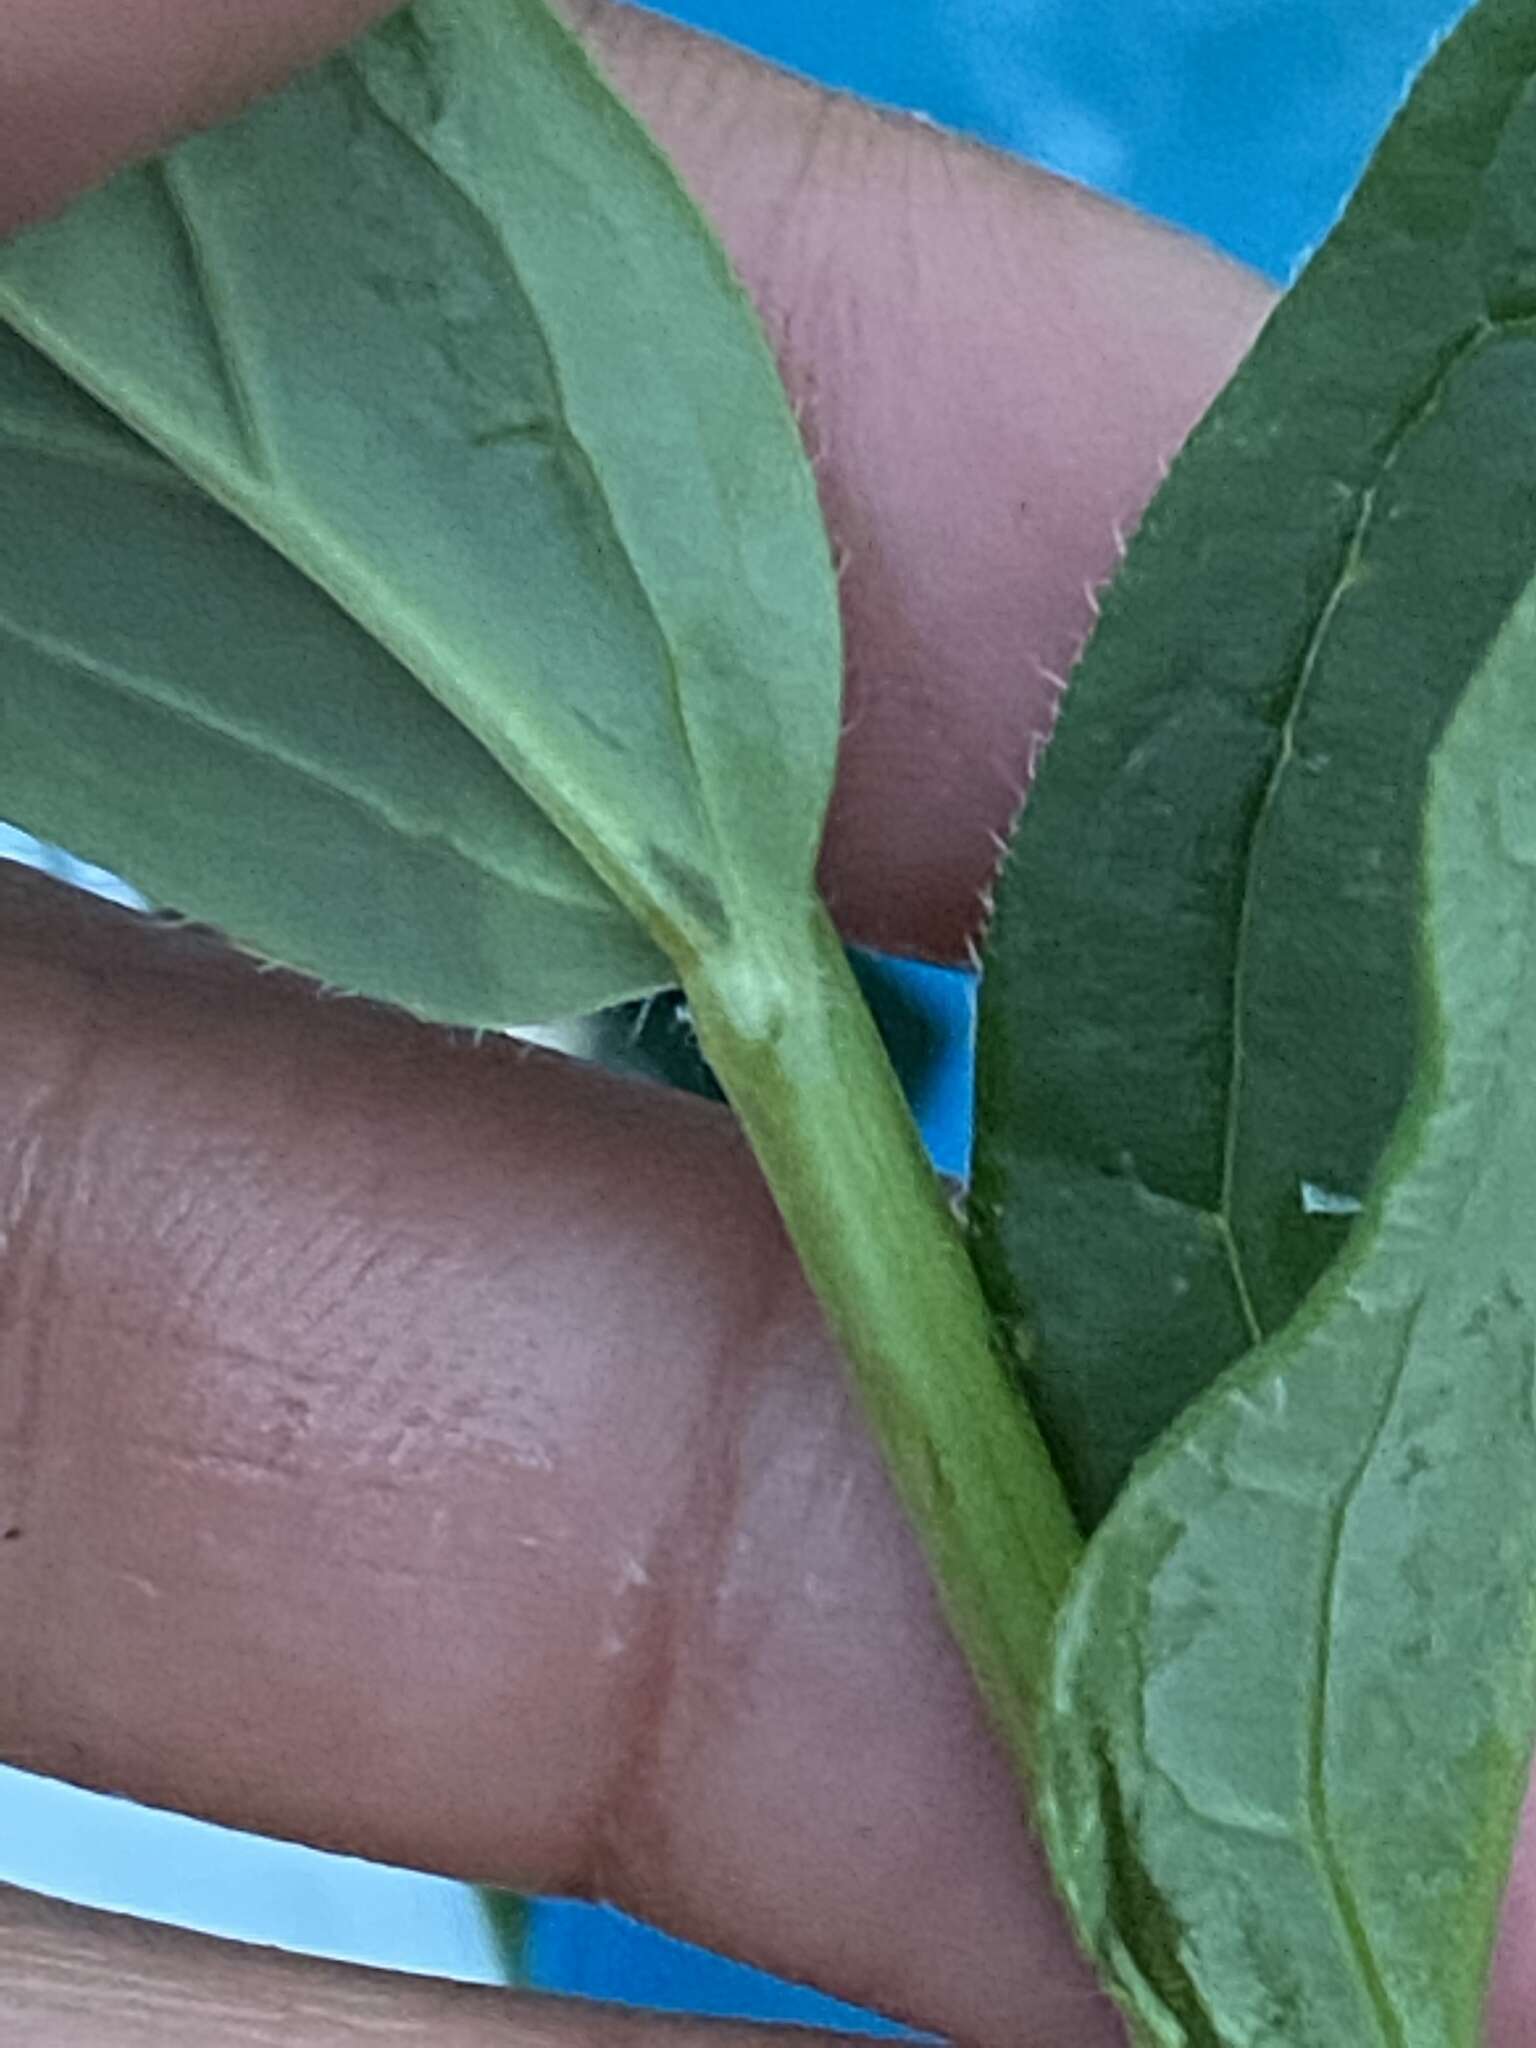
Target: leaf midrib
{"x":1484,"y":333}
{"x":486,"y":229}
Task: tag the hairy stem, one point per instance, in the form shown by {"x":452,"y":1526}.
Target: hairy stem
{"x":787,"y":1031}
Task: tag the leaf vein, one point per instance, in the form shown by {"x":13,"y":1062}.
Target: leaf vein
{"x":111,"y":455}
{"x":221,"y":328}
{"x":1348,"y":572}
{"x":144,"y":689}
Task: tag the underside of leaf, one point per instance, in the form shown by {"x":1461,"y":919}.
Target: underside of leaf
{"x":440,"y":325}
{"x":182,"y":706}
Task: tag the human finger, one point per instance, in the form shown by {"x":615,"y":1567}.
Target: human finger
{"x":73,"y":1979}
{"x":432,"y":1452}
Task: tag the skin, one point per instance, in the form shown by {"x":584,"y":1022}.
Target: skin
{"x":432,"y":1452}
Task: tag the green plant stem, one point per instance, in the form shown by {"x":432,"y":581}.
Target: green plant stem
{"x":787,"y":1032}
{"x":509,"y":1922}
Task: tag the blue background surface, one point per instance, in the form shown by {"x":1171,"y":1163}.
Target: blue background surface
{"x":1247,"y":120}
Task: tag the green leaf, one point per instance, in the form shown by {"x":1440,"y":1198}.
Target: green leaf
{"x":180,"y":704}
{"x":1197,"y":1024}
{"x":440,"y":325}
{"x":1290,"y":1723}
